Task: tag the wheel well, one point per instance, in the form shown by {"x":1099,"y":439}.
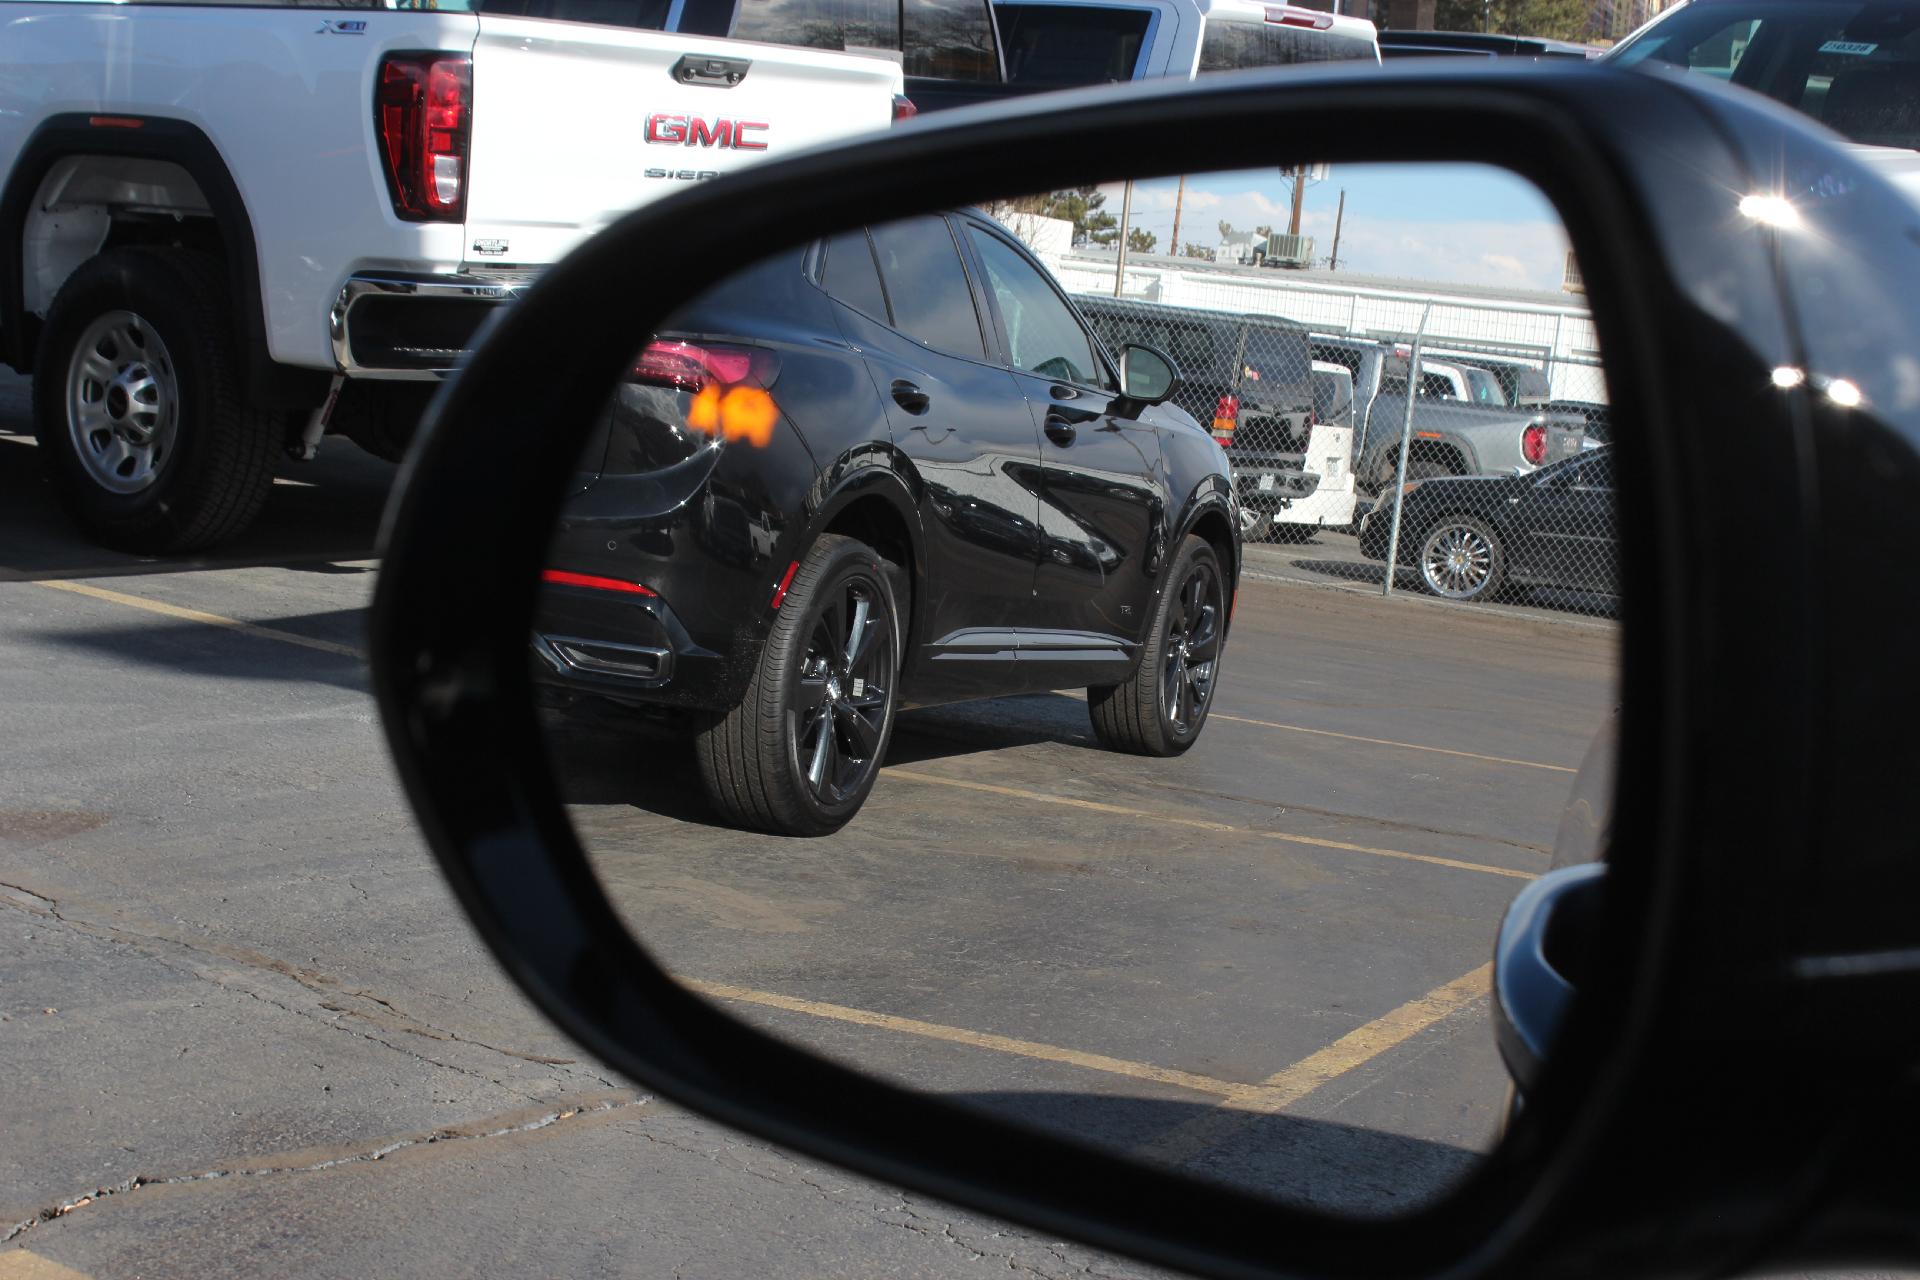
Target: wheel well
{"x":1213,"y":527}
{"x":89,"y":203}
{"x":879,"y":524}
{"x":1431,"y":451}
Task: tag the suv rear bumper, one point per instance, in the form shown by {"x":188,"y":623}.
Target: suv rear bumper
{"x":403,"y":325}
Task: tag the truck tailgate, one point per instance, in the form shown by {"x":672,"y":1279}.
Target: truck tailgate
{"x":575,"y":124}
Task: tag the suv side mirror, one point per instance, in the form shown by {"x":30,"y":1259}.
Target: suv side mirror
{"x":1147,"y":376}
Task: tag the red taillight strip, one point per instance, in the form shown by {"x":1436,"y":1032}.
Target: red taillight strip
{"x":116,"y":122}
{"x":560,"y":577}
{"x":786,"y":580}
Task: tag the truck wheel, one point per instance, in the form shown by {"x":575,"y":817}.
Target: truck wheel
{"x":1161,"y":708}
{"x":139,"y":406}
{"x":799,"y":754}
{"x":1461,"y":559}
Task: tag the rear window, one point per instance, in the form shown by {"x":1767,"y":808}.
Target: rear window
{"x":1332,"y":397}
{"x":943,"y":39}
{"x":850,"y":275}
{"x":1057,"y":44}
{"x":1230,"y":46}
{"x":1278,"y":360}
{"x":1854,"y":67}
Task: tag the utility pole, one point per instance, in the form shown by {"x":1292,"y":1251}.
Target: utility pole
{"x":1126,"y":218}
{"x":1179,"y":197}
{"x":1333,"y":263}
{"x":1299,"y":195}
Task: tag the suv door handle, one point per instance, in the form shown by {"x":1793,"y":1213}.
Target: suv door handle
{"x":1059,"y":430}
{"x":910,"y":397}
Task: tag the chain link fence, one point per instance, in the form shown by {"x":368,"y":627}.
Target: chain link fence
{"x":1457,"y":446}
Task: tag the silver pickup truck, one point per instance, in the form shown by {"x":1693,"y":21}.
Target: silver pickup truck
{"x":1455,"y":438}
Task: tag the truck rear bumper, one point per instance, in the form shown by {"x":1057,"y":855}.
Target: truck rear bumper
{"x":400,"y":325}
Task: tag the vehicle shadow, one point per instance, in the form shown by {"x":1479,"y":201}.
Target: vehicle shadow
{"x":1297,"y":1159}
{"x":201,"y":649}
{"x":319,"y":515}
{"x":607,"y":757}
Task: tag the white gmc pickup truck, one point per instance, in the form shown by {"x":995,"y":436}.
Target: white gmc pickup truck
{"x":225,"y":230}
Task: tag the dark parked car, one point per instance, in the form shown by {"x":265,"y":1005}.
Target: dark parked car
{"x":891,"y":468}
{"x":1470,"y":535}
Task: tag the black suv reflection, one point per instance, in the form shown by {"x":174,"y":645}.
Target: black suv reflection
{"x":888,"y":469}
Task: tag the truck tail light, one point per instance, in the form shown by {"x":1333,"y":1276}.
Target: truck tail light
{"x":1226,"y":416}
{"x":1533,"y":444}
{"x":422,"y":115}
{"x":903,"y":108}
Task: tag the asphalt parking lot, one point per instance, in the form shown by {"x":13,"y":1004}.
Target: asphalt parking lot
{"x":241,"y":1012}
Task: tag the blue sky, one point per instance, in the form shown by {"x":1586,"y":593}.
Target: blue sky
{"x":1466,"y":224}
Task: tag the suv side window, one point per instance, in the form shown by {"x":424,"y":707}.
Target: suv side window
{"x":948,"y":40}
{"x":851,"y":276}
{"x":932,"y":301}
{"x":1043,"y":334}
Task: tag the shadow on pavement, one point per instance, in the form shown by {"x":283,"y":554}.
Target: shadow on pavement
{"x":1296,"y":1159}
{"x":606,"y":756}
{"x":200,"y":649}
{"x":319,"y":514}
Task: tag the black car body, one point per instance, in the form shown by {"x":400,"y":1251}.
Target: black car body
{"x":870,"y":387}
{"x":1469,"y":535}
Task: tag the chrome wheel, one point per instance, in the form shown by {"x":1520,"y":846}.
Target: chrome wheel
{"x":123,"y":402}
{"x":1192,"y":650}
{"x":1457,"y":560}
{"x":840,"y":703}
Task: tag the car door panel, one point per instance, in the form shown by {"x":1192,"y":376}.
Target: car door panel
{"x":961,"y":427}
{"x":1101,"y":491}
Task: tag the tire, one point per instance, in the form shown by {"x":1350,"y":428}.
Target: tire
{"x":799,"y":754}
{"x":1181,"y":660}
{"x":1254,"y":525}
{"x":1425,"y":469}
{"x":1461,"y":558}
{"x":139,"y":404}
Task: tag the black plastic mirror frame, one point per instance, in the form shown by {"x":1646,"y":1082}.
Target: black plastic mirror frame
{"x":464,"y":539}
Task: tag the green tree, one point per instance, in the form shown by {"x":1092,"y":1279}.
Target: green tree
{"x":1140,"y":241}
{"x":1226,"y":229}
{"x":1079,"y":205}
{"x":1193,"y":250}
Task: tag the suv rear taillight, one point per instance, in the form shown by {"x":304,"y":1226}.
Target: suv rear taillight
{"x":903,"y":108}
{"x":691,"y":366}
{"x":422,"y":111}
{"x":1533,"y":444}
{"x":1226,"y":416}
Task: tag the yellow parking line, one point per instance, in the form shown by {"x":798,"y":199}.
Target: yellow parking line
{"x":1201,"y":824}
{"x":1388,"y":742}
{"x":1226,"y":1089}
{"x":1284,"y":1088}
{"x":19,"y":1264}
{"x":207,"y":619}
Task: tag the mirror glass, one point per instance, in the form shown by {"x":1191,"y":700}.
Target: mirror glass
{"x":919,"y":702}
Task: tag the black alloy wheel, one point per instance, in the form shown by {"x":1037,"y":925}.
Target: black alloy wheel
{"x":800,"y":753}
{"x":842,"y":699}
{"x":1192,"y":650}
{"x":1161,"y":708}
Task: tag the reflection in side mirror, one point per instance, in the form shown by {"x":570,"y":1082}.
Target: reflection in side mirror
{"x":847,"y":496}
{"x":1146,"y":375}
